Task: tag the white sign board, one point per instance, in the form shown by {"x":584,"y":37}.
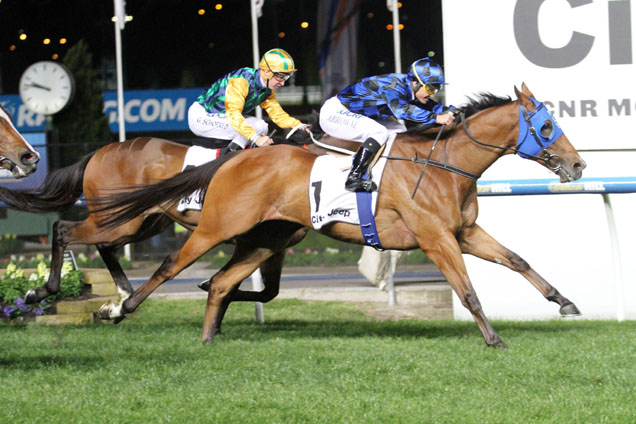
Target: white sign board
{"x":577,"y":56}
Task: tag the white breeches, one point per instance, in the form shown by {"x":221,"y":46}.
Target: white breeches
{"x":214,"y":125}
{"x":337,"y":121}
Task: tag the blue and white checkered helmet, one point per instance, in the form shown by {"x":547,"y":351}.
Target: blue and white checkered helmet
{"x":425,"y":71}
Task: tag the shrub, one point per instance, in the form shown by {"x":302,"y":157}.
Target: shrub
{"x":10,"y":243}
{"x":13,"y":285}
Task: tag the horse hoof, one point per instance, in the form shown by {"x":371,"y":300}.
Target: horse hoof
{"x":204,"y":285}
{"x":498,"y":343}
{"x":104,"y":311}
{"x":31,"y":297}
{"x":569,"y":310}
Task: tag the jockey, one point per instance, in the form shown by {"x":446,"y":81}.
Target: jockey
{"x":368,"y":111}
{"x":218,"y":112}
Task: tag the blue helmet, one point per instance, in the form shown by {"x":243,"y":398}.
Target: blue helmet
{"x":425,"y":71}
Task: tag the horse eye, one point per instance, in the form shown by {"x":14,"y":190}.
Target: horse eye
{"x":546,"y":129}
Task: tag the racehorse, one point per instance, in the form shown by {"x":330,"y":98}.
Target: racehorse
{"x":134,"y":162}
{"x":16,"y":154}
{"x":260,"y":199}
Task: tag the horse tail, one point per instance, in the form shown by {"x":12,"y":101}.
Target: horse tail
{"x":128,"y":205}
{"x":59,"y":191}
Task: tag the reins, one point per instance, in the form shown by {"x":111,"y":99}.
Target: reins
{"x":546,"y":157}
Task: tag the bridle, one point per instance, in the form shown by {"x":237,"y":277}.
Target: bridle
{"x":528,"y":121}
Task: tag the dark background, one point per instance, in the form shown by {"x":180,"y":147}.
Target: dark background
{"x":169,"y":45}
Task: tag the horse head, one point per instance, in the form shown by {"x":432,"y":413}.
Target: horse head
{"x":16,"y":154}
{"x":541,"y":139}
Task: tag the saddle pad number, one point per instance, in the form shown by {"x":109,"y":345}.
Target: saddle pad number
{"x":317,"y":185}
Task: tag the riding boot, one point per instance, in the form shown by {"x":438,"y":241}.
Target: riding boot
{"x":232,"y":147}
{"x":361,"y":162}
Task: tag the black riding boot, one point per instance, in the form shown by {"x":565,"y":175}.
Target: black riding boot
{"x":232,"y":147}
{"x":361,"y":162}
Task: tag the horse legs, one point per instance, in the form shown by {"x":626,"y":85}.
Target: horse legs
{"x":107,"y":253}
{"x":174,"y":263}
{"x":477,"y":242}
{"x":271,"y":271}
{"x":61,"y":230}
{"x":444,"y":250}
{"x":243,"y":263}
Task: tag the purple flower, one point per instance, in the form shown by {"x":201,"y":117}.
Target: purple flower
{"x":20,"y":304}
{"x":38,"y":312}
{"x":9,"y":310}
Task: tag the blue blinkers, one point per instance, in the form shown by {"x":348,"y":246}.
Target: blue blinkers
{"x":540,"y":126}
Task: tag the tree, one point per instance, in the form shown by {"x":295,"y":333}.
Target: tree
{"x":82,"y":125}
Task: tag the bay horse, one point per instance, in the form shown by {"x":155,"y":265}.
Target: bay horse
{"x":16,"y":154}
{"x":260,"y":199}
{"x":136,"y":162}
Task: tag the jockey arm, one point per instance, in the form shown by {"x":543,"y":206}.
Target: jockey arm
{"x":277,"y":114}
{"x":235,"y":94}
{"x":428,"y":113}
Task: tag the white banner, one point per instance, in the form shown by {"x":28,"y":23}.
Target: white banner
{"x":577,"y":56}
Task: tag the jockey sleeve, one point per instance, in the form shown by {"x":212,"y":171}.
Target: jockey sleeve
{"x":386,"y":96}
{"x":277,"y":114}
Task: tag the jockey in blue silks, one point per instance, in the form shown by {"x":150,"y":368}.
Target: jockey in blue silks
{"x":368,"y":110}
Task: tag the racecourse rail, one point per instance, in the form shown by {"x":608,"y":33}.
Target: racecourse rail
{"x":603,"y":186}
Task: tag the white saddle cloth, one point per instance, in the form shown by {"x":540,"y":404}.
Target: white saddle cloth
{"x":196,"y":156}
{"x":328,"y":199}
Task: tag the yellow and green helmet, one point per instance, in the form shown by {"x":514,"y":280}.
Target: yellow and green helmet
{"x":277,"y":60}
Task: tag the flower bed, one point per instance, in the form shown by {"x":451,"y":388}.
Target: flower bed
{"x":16,"y":281}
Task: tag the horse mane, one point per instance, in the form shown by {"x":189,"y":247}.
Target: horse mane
{"x":481,"y":102}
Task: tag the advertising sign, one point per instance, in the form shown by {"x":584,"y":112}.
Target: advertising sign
{"x":577,"y":56}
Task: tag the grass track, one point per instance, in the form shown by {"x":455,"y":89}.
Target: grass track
{"x":315,"y":363}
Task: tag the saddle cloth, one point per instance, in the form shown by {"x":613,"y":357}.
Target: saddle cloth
{"x":328,"y":199}
{"x":195,"y":156}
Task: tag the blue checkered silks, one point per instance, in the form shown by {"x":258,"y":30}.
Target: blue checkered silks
{"x":213,"y":99}
{"x":389,"y":95}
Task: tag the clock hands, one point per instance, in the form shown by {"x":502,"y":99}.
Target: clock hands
{"x":36,"y":85}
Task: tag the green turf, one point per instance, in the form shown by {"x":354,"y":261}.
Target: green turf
{"x":320,"y":362}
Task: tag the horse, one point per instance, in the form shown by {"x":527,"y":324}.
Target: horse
{"x":16,"y":154}
{"x":135,"y":162}
{"x":260,"y":199}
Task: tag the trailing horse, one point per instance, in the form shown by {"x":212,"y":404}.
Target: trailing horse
{"x":114,"y":167}
{"x":261,"y":200}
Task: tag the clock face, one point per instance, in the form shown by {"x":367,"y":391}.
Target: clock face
{"x":46,"y":87}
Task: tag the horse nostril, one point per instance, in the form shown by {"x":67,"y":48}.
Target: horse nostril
{"x":29,"y":158}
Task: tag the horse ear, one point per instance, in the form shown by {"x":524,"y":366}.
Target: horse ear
{"x":526,"y":90}
{"x":523,"y":97}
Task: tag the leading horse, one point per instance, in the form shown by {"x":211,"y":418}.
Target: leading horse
{"x":260,"y":199}
{"x":16,"y":154}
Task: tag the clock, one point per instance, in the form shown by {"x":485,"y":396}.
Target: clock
{"x":46,"y":87}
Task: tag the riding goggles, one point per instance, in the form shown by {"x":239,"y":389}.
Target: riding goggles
{"x":281,"y":76}
{"x":431,"y":89}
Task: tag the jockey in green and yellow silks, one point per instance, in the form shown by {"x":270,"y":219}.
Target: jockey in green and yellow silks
{"x":219,"y":112}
